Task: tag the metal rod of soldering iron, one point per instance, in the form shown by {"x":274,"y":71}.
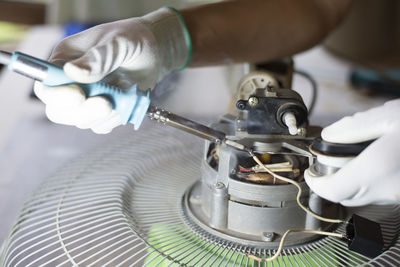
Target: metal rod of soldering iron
{"x":191,"y":127}
{"x":184,"y":124}
{"x":52,"y":75}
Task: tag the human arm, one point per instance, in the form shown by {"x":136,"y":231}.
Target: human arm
{"x":259,"y":30}
{"x":145,"y":49}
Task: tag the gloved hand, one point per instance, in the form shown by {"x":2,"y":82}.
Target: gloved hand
{"x":373,"y":177}
{"x":143,"y":50}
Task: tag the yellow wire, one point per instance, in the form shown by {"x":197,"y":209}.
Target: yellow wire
{"x":280,"y":248}
{"x":256,"y":159}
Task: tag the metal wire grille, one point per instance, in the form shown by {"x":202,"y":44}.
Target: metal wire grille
{"x":121,"y":206}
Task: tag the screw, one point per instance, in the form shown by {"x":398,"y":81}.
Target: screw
{"x":268,"y":236}
{"x":241,"y":104}
{"x":219,"y":185}
{"x":302,"y":131}
{"x":240,"y":126}
{"x":253,"y":101}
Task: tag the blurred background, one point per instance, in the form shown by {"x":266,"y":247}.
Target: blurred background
{"x":356,"y":68}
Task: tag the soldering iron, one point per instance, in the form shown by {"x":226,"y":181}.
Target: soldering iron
{"x":131,"y":104}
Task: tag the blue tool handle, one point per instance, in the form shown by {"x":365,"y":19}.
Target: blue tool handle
{"x":131,"y":104}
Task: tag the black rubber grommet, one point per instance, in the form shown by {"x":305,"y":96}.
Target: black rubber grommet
{"x":336,"y":149}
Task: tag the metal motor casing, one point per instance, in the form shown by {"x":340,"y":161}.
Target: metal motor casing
{"x":116,"y":207}
{"x":249,"y":213}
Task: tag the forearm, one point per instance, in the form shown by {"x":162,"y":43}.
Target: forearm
{"x":259,"y":30}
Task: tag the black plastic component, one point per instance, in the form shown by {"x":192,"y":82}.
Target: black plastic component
{"x":364,"y":236}
{"x":266,"y":116}
{"x":336,"y":149}
{"x":241,"y":104}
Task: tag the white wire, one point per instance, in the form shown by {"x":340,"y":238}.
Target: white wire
{"x":280,"y":248}
{"x":256,"y":159}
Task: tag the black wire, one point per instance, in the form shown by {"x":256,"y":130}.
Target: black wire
{"x":314,"y":87}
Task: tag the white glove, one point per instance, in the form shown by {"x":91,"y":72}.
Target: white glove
{"x":373,"y":177}
{"x":143,"y":50}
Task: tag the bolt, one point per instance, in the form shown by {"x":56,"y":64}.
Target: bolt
{"x":241,"y":105}
{"x":253,"y":101}
{"x":268,"y":236}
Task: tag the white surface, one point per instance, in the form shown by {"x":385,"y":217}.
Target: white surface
{"x":200,"y":92}
{"x":336,"y":98}
{"x":15,"y":89}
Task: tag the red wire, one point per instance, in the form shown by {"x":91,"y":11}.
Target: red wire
{"x":243,"y":169}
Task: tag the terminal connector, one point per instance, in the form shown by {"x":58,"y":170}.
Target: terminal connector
{"x":364,"y":236}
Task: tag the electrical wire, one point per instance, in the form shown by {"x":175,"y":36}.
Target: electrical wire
{"x":281,"y":243}
{"x":276,"y":167}
{"x":314,"y":88}
{"x":256,"y":159}
{"x":280,"y":248}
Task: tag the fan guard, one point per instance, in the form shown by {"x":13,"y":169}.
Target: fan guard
{"x":121,"y":205}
